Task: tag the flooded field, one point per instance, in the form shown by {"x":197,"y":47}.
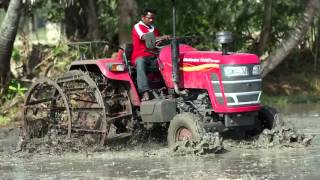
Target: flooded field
{"x":155,"y":161}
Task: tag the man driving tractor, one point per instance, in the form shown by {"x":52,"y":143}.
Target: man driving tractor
{"x":142,"y":56}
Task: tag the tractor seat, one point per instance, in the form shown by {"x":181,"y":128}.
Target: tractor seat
{"x":127,"y":60}
{"x":153,"y":73}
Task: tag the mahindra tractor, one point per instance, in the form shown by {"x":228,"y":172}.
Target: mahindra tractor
{"x":194,"y":93}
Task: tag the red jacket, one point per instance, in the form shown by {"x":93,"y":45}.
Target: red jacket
{"x":139,"y":46}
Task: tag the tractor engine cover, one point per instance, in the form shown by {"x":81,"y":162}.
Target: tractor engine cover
{"x":158,"y":110}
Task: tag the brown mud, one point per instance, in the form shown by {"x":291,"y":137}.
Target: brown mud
{"x":278,"y":137}
{"x":209,"y":143}
{"x":281,"y":135}
{"x":212,"y":143}
{"x":286,"y":152}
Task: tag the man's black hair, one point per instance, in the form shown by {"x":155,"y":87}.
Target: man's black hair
{"x":146,"y":10}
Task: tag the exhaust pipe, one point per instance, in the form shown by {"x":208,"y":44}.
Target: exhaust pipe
{"x":175,"y":53}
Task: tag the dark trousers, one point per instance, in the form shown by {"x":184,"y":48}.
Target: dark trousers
{"x":142,"y":63}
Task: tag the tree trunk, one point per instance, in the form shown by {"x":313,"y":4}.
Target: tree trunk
{"x":75,"y":23}
{"x":90,"y":9}
{"x":8,"y":32}
{"x":316,"y":46}
{"x":82,"y":21}
{"x":303,"y":24}
{"x":266,"y":27}
{"x":127,"y":10}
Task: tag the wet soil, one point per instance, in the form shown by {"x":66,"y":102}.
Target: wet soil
{"x":9,"y":137}
{"x":286,"y":152}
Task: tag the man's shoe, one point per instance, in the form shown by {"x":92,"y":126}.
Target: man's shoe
{"x":145,"y":96}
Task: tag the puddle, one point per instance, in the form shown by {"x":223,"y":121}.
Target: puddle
{"x":278,"y":154}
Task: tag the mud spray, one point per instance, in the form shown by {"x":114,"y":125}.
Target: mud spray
{"x":209,"y":143}
{"x":279,"y":136}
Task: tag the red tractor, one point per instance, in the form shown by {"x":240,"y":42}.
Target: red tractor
{"x":194,"y":91}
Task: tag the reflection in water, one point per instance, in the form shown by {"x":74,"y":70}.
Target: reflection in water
{"x":271,"y":164}
{"x":284,"y":163}
{"x":303,"y":117}
{"x":301,"y":110}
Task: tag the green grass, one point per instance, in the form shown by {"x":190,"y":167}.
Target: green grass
{"x":4,"y":120}
{"x":292,"y":99}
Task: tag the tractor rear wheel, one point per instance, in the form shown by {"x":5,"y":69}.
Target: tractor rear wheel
{"x":185,"y":126}
{"x":46,"y":109}
{"x":86,"y":105}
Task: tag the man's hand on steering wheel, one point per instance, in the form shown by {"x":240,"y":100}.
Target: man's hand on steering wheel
{"x":160,"y":39}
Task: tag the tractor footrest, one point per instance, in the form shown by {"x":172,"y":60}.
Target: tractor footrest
{"x":158,"y":110}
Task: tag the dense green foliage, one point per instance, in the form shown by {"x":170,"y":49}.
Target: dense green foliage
{"x":242,"y":17}
{"x":199,"y":18}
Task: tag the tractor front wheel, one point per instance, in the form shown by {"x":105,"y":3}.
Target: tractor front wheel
{"x":185,"y":126}
{"x":269,"y":117}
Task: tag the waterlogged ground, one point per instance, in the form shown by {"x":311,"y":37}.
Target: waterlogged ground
{"x":153,"y":161}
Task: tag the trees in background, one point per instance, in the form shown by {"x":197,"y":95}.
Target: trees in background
{"x":4,"y":4}
{"x":81,"y":20}
{"x":295,"y":36}
{"x":266,"y":27}
{"x":127,"y":10}
{"x":8,"y":32}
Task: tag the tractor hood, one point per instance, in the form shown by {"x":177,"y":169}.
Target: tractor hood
{"x":193,"y":56}
{"x":204,"y":70}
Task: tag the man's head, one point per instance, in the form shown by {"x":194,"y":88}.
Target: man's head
{"x":147,"y":16}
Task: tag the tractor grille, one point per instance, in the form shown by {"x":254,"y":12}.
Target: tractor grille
{"x":238,"y":91}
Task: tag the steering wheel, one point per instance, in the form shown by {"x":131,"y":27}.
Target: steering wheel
{"x":160,"y":43}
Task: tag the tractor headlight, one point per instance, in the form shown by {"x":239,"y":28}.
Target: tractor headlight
{"x":116,"y":67}
{"x":232,"y":71}
{"x":256,"y":70}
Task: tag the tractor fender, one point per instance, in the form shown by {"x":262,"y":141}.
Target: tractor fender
{"x":102,"y":66}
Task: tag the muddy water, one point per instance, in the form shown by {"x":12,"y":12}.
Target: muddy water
{"x":156,"y":161}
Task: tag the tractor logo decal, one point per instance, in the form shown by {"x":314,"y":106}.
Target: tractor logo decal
{"x":203,"y":67}
{"x":204,"y":60}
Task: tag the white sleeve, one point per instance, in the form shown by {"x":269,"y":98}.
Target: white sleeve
{"x":138,"y":30}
